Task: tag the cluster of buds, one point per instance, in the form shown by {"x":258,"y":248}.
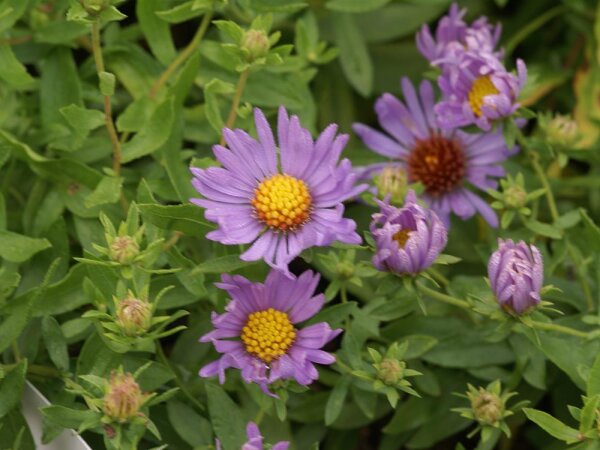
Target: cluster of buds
{"x":488,"y":408}
{"x":255,"y":46}
{"x":123,"y":398}
{"x":389,"y":372}
{"x":513,"y":199}
{"x":132,"y":324}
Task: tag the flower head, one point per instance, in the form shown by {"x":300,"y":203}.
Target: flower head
{"x":283,"y":201}
{"x":477,"y":89}
{"x":408,"y":239}
{"x":134,"y":316}
{"x":444,"y":161}
{"x":516,"y":273}
{"x":453,"y":35}
{"x":124,"y":249}
{"x":259,"y":334}
{"x":123,"y":397}
{"x":255,"y":440}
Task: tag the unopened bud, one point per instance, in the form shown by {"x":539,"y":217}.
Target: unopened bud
{"x":562,"y":131}
{"x":487,"y":407}
{"x":515,"y":197}
{"x":392,"y":181}
{"x":123,"y":397}
{"x":345,"y":269}
{"x":124,"y":249}
{"x":96,"y":5}
{"x":256,"y":43}
{"x":390,"y":371}
{"x":134,"y":316}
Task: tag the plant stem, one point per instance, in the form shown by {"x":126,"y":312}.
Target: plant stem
{"x":239,"y":89}
{"x":163,"y":358}
{"x":443,"y":297}
{"x":110,"y":126}
{"x":558,"y":328}
{"x":185,"y":54}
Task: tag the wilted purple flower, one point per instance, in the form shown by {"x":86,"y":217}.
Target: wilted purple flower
{"x":516,"y":274}
{"x":444,"y":161}
{"x":408,"y":239}
{"x":255,"y":440}
{"x":477,"y":89}
{"x":257,"y":333}
{"x":283,"y":199}
{"x":453,"y":35}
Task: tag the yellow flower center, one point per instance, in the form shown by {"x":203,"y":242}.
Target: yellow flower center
{"x":480,"y":88}
{"x":282,"y":202}
{"x":268,"y":334}
{"x":401,"y":237}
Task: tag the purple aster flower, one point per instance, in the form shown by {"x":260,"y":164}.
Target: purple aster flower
{"x":477,"y":89}
{"x":255,"y":440}
{"x":258,"y":333}
{"x":283,"y":198}
{"x":444,"y":161}
{"x":453,"y":35}
{"x":516,"y":273}
{"x":408,"y":239}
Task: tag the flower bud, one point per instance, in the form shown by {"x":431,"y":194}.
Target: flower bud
{"x":134,"y":316}
{"x":515,"y":197}
{"x":96,"y":5}
{"x":124,"y":249}
{"x":562,"y":131}
{"x":408,"y":239}
{"x":123,"y":397}
{"x":487,"y":407}
{"x":516,"y":274}
{"x":392,"y":181}
{"x":256,"y":43}
{"x":390,"y":370}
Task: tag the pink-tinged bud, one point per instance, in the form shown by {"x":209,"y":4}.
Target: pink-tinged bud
{"x":123,"y":398}
{"x":256,"y":43}
{"x":124,"y":249}
{"x":516,"y":274}
{"x":487,"y":407}
{"x":408,"y":239}
{"x":134,"y":316}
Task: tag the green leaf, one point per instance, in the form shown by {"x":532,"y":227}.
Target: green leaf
{"x":593,"y":382}
{"x":10,"y":12}
{"x":221,"y":264}
{"x":543,"y":229}
{"x":83,"y":119}
{"x":56,"y":343}
{"x":182,"y":13}
{"x":226,"y":418}
{"x":69,"y":418}
{"x":592,"y":232}
{"x":589,"y":414}
{"x":213,"y":110}
{"x":191,"y":427}
{"x":336,"y":400}
{"x":354,"y":55}
{"x":355,"y":6}
{"x":107,"y":83}
{"x":189,"y":219}
{"x":156,"y":31}
{"x":552,"y":426}
{"x":107,"y":191}
{"x":18,"y":248}
{"x":12,"y":71}
{"x":418,"y":345}
{"x":11,"y":388}
{"x":153,"y":135}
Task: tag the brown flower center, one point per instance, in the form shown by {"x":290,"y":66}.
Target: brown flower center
{"x":438,"y":163}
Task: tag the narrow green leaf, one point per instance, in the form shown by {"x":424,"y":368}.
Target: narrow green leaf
{"x":355,"y":6}
{"x":11,"y":388}
{"x":189,"y":219}
{"x":181,"y":13}
{"x":12,"y":71}
{"x":221,"y":264}
{"x":156,"y":31}
{"x":552,"y":426}
{"x":226,"y":417}
{"x":55,"y":343}
{"x":107,"y":191}
{"x":191,"y":427}
{"x":593,"y":382}
{"x":336,"y":400}
{"x":543,"y":229}
{"x":18,"y":248}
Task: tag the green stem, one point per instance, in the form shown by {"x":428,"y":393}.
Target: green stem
{"x":558,"y":328}
{"x":183,"y":56}
{"x":239,"y":89}
{"x":110,"y":125}
{"x":522,"y":34}
{"x":163,"y":358}
{"x":443,"y":297}
{"x":438,"y":276}
{"x":344,"y":298}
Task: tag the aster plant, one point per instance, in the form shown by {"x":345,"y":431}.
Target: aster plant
{"x":281,"y":202}
{"x":445,"y":161}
